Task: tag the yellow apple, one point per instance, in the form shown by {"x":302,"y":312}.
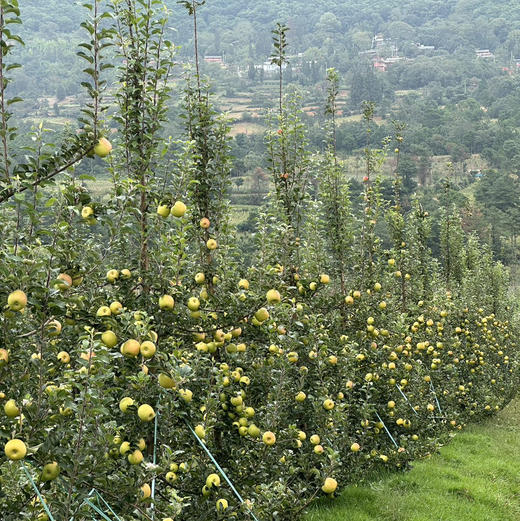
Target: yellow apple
{"x":126,"y":274}
{"x":147,"y":349}
{"x":273,"y":296}
{"x":243,"y":284}
{"x":171,"y":477}
{"x":166,"y":302}
{"x":262,"y":315}
{"x":131,"y":348}
{"x":300,"y":397}
{"x":146,"y":491}
{"x":204,"y":223}
{"x":193,"y":303}
{"x":211,"y":244}
{"x":103,"y":311}
{"x":86,"y":212}
{"x":222,"y":504}
{"x":17,"y":300}
{"x":136,"y":457}
{"x":63,"y":357}
{"x":213,"y":480}
{"x":116,"y":308}
{"x":324,"y":278}
{"x":163,"y":210}
{"x":186,"y":395}
{"x":200,"y":278}
{"x":4,"y":357}
{"x":64,"y":282}
{"x":328,"y":404}
{"x":112,"y":275}
{"x":329,"y":486}
{"x":146,"y":413}
{"x":125,"y":403}
{"x":178,"y":209}
{"x":103,"y":147}
{"x":200,"y":431}
{"x":269,"y":438}
{"x":15,"y":449}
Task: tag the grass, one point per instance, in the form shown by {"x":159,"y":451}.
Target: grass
{"x":473,"y":478}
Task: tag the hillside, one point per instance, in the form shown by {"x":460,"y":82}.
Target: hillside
{"x":416,"y":60}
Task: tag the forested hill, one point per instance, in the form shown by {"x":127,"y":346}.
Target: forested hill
{"x":334,"y":31}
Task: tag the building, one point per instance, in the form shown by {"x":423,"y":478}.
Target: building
{"x":214,"y":59}
{"x":484,"y":53}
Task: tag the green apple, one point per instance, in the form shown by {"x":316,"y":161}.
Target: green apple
{"x":200,"y":278}
{"x":165,"y":381}
{"x":109,"y":338}
{"x":50,"y":471}
{"x":11,"y":409}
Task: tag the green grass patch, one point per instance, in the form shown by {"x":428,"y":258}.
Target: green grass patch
{"x":475,"y":477}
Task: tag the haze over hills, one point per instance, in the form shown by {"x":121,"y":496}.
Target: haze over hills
{"x":332,"y":32}
{"x":449,"y":70}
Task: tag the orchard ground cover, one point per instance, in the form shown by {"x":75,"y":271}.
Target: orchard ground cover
{"x":474,"y":478}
